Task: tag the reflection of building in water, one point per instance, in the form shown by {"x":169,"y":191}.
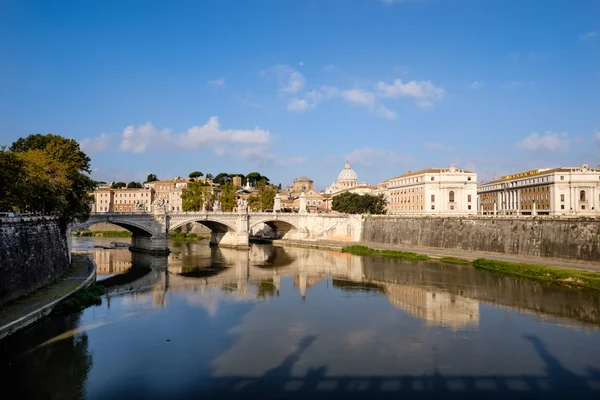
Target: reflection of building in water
{"x":303,"y":282}
{"x":437,"y":308}
{"x":110,"y":262}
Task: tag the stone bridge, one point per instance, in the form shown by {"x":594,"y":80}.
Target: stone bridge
{"x":150,"y":230}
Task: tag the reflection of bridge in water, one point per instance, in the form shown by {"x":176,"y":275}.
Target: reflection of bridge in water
{"x":440,"y":294}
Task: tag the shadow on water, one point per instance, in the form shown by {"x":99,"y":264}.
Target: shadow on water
{"x":280,"y":382}
{"x":59,"y":370}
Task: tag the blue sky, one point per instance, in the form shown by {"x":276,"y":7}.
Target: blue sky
{"x":291,"y":87}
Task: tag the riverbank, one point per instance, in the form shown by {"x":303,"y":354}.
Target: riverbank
{"x":570,"y":278}
{"x":580,"y":274}
{"x":29,"y":309}
{"x":101,"y":234}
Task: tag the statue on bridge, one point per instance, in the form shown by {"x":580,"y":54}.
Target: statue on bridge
{"x":216,"y":206}
{"x":139,"y":205}
{"x":159,"y":205}
{"x":242,"y":206}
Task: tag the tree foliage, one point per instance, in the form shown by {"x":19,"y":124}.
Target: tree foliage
{"x":354,"y":203}
{"x":134,"y":185}
{"x":197,"y":195}
{"x":256,"y":177}
{"x":151,"y":178}
{"x":263,"y":198}
{"x":222,"y":178}
{"x":196,"y":174}
{"x":118,"y":185}
{"x":228,"y":197}
{"x":46,"y":174}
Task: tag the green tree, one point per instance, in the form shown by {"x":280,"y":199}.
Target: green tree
{"x":195,"y":196}
{"x":228,"y":197}
{"x":209,"y":176}
{"x":59,"y":169}
{"x":196,"y":174}
{"x":151,"y":178}
{"x":354,"y":203}
{"x":222,"y":178}
{"x":134,"y":185}
{"x":118,"y":185}
{"x":98,"y":183}
{"x":256,"y":177}
{"x":263,"y":198}
{"x":12,"y":181}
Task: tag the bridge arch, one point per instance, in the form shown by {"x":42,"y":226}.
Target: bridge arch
{"x":133,"y":227}
{"x":212,"y":224}
{"x":281,"y":228}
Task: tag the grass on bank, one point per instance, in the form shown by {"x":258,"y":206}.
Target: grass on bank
{"x":571,"y":278}
{"x":186,"y":236}
{"x":101,"y":234}
{"x":367,"y":251}
{"x":551,"y":275}
{"x":90,"y":296}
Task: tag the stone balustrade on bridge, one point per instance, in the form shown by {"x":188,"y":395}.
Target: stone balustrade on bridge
{"x":150,"y":230}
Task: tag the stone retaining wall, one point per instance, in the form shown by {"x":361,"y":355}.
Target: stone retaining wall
{"x":555,"y":238}
{"x":33,"y":253}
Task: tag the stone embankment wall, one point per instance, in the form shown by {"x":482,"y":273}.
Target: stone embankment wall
{"x":33,"y":253}
{"x":577,"y":239}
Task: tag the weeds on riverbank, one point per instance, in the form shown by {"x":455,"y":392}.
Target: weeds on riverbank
{"x":186,"y":236}
{"x":552,"y":275}
{"x":456,"y":260}
{"x":90,"y":296}
{"x":101,"y":234}
{"x":566,"y":277}
{"x":367,"y":251}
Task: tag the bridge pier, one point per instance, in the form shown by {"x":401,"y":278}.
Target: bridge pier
{"x":158,"y":244}
{"x":229,"y":239}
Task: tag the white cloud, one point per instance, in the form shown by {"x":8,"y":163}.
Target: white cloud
{"x":290,"y":80}
{"x":383,"y":112}
{"x":588,"y":35}
{"x":414,"y":89}
{"x":98,"y":143}
{"x":367,"y":156}
{"x":550,"y":141}
{"x":138,"y":139}
{"x":359,"y":97}
{"x":476,"y":85}
{"x":297,"y":105}
{"x":436,"y":146}
{"x":217,"y":82}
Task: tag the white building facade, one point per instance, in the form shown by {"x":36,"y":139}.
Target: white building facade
{"x":549,"y":191}
{"x":445,"y":191}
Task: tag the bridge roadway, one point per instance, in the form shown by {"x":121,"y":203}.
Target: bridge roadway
{"x":233,"y":229}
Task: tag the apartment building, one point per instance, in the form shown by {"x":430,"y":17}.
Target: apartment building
{"x":547,"y":191}
{"x":450,"y":191}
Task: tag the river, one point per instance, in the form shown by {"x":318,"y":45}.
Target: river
{"x":288,"y":322}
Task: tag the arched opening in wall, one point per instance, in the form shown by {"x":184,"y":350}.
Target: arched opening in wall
{"x":273,"y":230}
{"x":116,"y":230}
{"x":582,"y":195}
{"x":216,"y":230}
{"x":451,"y":196}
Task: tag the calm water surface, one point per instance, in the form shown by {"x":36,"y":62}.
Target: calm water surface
{"x":298,"y":323}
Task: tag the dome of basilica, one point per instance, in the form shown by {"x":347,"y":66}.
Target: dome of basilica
{"x":347,"y":175}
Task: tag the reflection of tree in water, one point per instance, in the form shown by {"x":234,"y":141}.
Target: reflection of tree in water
{"x":266,"y":289}
{"x":55,"y":370}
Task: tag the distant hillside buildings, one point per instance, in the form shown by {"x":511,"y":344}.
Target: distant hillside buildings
{"x":431,"y":191}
